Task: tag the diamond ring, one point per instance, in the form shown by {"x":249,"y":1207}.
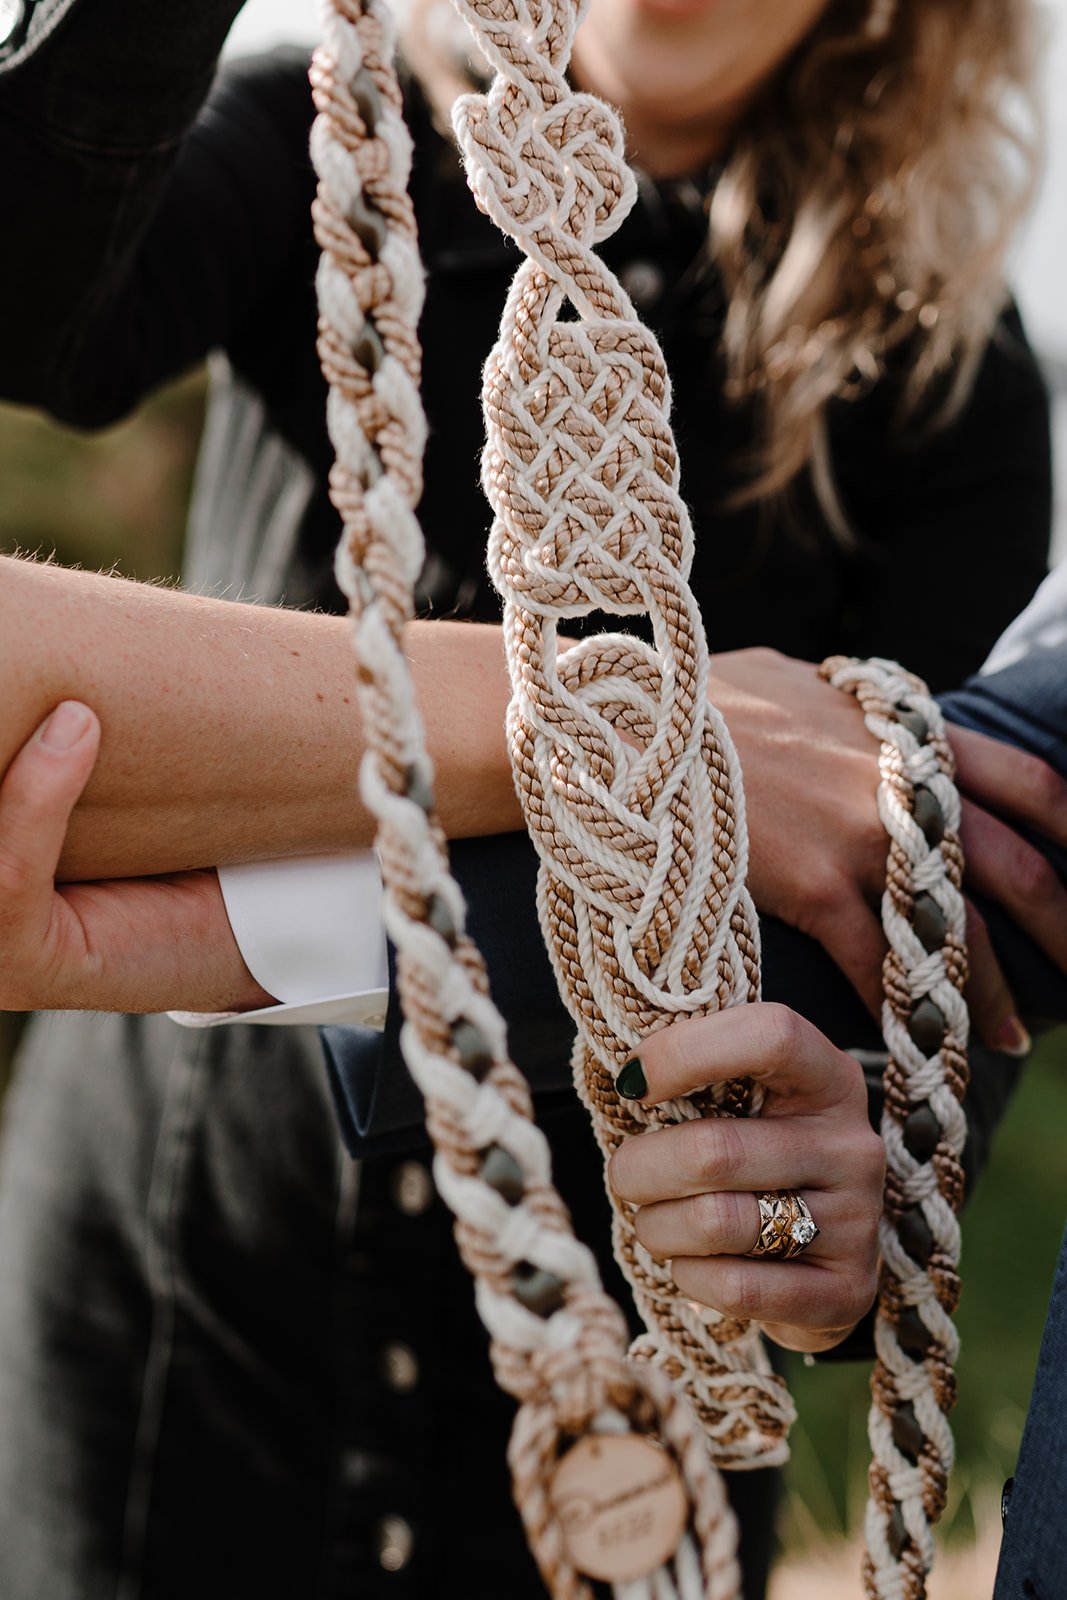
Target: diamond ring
{"x":786,"y":1226}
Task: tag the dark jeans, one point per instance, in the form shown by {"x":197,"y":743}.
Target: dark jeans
{"x":1033,"y":1556}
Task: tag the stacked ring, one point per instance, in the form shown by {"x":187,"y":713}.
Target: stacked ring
{"x":786,"y":1226}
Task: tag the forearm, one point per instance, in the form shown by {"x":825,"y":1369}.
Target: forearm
{"x":232,"y":732}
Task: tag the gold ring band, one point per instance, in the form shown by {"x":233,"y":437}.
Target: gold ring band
{"x":786,"y":1226}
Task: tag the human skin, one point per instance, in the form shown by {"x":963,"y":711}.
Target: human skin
{"x":683,"y":72}
{"x":243,"y":739}
{"x":243,"y":742}
{"x":695,"y":1184}
{"x":232,"y":732}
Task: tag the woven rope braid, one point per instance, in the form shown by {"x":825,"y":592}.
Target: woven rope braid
{"x":628,"y":778}
{"x":558,"y":1342}
{"x":631,"y":789}
{"x":926,"y":1029}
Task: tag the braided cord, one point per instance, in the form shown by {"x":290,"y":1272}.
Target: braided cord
{"x":913,"y":1386}
{"x":558,"y":1342}
{"x":628,"y":778}
{"x":632,"y":792}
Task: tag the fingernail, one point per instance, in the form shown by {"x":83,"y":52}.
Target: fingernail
{"x":631,"y":1082}
{"x":1012,"y":1038}
{"x":65,"y":726}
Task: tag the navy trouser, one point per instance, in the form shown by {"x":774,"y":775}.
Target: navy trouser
{"x":1033,"y":1556}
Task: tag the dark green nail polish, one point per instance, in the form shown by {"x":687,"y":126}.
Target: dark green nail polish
{"x":631,"y":1082}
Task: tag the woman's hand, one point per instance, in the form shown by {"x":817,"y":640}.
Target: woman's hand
{"x":818,"y":850}
{"x":137,"y":944}
{"x":695,"y":1184}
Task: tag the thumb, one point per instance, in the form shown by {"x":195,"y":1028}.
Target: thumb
{"x":37,"y":796}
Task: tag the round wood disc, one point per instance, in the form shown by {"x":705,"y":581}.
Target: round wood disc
{"x":621,"y":1504}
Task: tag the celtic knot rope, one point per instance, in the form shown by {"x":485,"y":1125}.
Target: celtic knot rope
{"x":558,"y":1342}
{"x":632,"y":792}
{"x":926,"y":1029}
{"x":628,"y":778}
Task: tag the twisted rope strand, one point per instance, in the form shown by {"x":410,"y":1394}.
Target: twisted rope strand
{"x":925,"y":1022}
{"x":558,"y":1342}
{"x":643,"y":853}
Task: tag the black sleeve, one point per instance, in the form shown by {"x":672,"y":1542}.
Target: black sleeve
{"x":145,"y":222}
{"x":962,"y":527}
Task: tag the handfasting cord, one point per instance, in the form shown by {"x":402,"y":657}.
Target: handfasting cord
{"x":558,"y":1341}
{"x":926,"y":1029}
{"x":643,"y":851}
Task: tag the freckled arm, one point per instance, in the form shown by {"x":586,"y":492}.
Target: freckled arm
{"x":231,"y":732}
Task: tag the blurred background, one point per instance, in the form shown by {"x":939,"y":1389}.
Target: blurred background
{"x":120,"y":499}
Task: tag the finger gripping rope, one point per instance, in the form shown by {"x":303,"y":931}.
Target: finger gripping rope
{"x":926,"y":1029}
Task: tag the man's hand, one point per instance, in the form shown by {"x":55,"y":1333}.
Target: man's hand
{"x":138,"y":944}
{"x":818,"y":850}
{"x":695,"y":1184}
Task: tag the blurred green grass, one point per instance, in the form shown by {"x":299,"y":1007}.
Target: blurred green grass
{"x":1011,"y":1238}
{"x":120,"y":498}
{"x":98,"y":500}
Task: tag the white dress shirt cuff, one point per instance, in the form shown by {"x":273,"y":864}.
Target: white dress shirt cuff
{"x":310,"y":931}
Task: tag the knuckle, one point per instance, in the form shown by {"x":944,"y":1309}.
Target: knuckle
{"x":780,"y":1034}
{"x":1043,"y":788}
{"x":852,"y":1088}
{"x":858,"y":1295}
{"x":741,"y":1290}
{"x":827,"y":892}
{"x":722,"y":1148}
{"x":861,"y":1157}
{"x":1036,"y":879}
{"x":733,"y":1219}
{"x":688,"y":1046}
{"x":716,"y":1220}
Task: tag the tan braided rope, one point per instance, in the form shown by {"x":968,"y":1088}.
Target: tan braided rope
{"x":558,"y":1341}
{"x":925,"y":1023}
{"x":628,"y":778}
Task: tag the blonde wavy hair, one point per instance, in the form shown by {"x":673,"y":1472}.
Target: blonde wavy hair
{"x":863,"y":214}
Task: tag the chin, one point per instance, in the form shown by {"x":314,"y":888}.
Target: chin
{"x":678,"y":9}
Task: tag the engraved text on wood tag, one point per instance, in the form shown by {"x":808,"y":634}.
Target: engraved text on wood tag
{"x":621,"y":1504}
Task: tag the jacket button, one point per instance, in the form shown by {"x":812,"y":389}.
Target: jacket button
{"x":399,"y":1367}
{"x":11,"y":15}
{"x":412,"y":1188}
{"x":643,"y":282}
{"x":395,"y":1542}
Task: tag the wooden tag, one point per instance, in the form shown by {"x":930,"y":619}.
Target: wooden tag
{"x":621,"y":1504}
